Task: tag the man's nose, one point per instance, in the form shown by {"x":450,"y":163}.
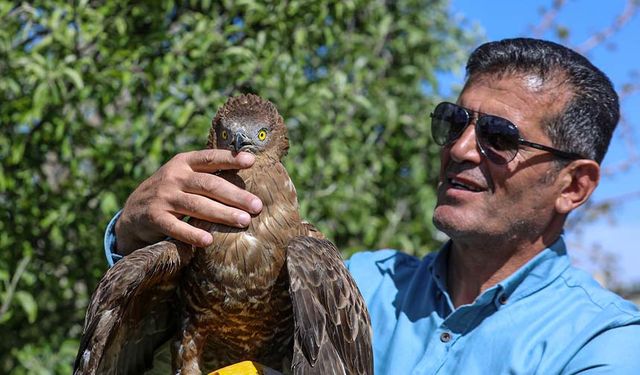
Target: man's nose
{"x":466,"y":148}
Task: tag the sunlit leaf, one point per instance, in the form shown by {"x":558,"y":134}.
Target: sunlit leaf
{"x":108,"y":203}
{"x":28,"y":304}
{"x":185,"y":114}
{"x":75,"y":77}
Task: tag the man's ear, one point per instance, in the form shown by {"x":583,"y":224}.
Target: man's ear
{"x":577,"y":181}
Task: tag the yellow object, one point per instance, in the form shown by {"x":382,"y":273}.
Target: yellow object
{"x":246,"y":368}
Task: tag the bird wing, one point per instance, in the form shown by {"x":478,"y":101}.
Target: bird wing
{"x":132,"y":311}
{"x":332,"y":333}
{"x":312,"y":231}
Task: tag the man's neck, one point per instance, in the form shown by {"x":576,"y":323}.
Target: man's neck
{"x":472,"y":269}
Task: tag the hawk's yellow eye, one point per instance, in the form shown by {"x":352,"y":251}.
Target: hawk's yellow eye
{"x":224,"y":135}
{"x":262,"y":134}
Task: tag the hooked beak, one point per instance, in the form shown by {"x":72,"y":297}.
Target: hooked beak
{"x":241,"y":143}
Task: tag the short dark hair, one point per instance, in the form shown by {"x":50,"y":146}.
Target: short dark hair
{"x":586,"y":123}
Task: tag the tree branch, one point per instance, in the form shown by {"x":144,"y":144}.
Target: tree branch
{"x":548,"y":18}
{"x":600,"y":206}
{"x":629,"y":11}
{"x":22,"y":266}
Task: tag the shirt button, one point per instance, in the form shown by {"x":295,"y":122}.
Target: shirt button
{"x":445,"y":337}
{"x":502,"y":299}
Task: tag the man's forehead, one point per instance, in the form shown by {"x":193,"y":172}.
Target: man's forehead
{"x":520,"y":89}
{"x":532,"y":81}
{"x":489,"y":93}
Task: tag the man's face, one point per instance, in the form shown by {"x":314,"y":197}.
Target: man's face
{"x":478,"y":199}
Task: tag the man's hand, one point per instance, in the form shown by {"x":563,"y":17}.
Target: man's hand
{"x":185,"y":186}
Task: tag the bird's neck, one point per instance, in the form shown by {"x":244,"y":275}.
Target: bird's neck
{"x":269,"y":180}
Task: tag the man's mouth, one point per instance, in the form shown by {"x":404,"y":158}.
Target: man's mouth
{"x":463,"y":185}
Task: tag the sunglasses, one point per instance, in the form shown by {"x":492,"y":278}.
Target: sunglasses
{"x":497,"y":137}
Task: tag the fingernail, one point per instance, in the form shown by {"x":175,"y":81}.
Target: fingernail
{"x":255,"y":205}
{"x":243,"y":219}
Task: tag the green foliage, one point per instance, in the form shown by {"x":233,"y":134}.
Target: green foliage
{"x":95,"y":96}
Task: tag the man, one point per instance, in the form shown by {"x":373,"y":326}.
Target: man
{"x":521,"y":149}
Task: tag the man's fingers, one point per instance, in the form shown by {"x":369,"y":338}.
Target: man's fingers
{"x":214,"y":160}
{"x":209,"y":210}
{"x":185,"y":186}
{"x":223,"y":191}
{"x":184,"y":232}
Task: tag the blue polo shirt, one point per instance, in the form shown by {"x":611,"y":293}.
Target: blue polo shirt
{"x":546,"y":318}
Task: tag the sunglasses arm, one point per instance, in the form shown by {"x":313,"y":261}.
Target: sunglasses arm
{"x":556,"y":152}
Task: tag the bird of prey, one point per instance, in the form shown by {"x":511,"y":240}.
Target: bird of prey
{"x":276,"y":293}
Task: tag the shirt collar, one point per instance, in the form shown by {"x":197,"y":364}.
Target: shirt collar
{"x":538,"y":272}
{"x":438,"y":270}
{"x":438,"y":267}
{"x":534,"y":275}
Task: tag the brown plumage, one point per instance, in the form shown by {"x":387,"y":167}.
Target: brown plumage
{"x":276,"y":293}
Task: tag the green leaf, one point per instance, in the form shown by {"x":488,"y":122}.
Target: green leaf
{"x":41,"y":96}
{"x":121,"y":25}
{"x":75,"y":77}
{"x":109,"y":203}
{"x":185,"y":114}
{"x":162,"y":108}
{"x":6,"y":316}
{"x":28,"y":304}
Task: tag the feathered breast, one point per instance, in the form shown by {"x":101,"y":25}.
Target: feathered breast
{"x":253,"y":257}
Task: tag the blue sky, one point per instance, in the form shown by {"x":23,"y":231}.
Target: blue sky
{"x":616,"y":235}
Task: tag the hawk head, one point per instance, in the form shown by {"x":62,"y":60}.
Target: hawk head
{"x":249,"y":123}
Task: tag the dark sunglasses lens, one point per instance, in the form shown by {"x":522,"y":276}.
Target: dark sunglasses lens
{"x":447,"y":123}
{"x":498,"y":138}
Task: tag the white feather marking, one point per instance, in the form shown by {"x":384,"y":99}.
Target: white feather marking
{"x":86,"y":356}
{"x":289,"y":185}
{"x":191,"y":345}
{"x":265,"y":221}
{"x":250,"y":239}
